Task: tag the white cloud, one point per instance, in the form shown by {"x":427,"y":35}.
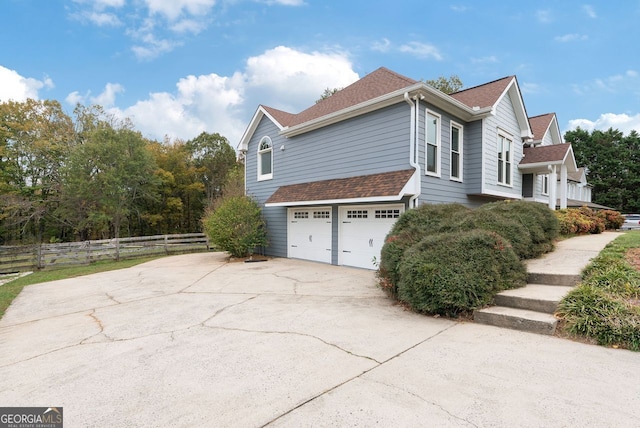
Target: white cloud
{"x":283,"y":2}
{"x":457,"y":8}
{"x":627,"y":81}
{"x":491,"y":59}
{"x":531,"y":88}
{"x":381,"y":46}
{"x":107,"y":98}
{"x":421,"y":50}
{"x":589,"y":11}
{"x":544,"y":16}
{"x":282,"y":77}
{"x":292,"y":80}
{"x":15,"y":87}
{"x":173,"y":9}
{"x":622,"y":122}
{"x":571,"y":38}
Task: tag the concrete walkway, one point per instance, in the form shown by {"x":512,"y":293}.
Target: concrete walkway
{"x":193,"y":340}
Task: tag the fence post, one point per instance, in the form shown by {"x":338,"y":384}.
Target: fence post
{"x":166,"y":244}
{"x":39,"y":256}
{"x":117,"y":249}
{"x":88,"y":252}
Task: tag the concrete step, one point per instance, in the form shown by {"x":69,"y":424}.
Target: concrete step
{"x":533,"y":297}
{"x":517,"y":319}
{"x":553,"y":279}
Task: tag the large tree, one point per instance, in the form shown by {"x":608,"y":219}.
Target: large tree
{"x":613,"y":162}
{"x":109,"y":176}
{"x":448,"y":85}
{"x":36,"y":138}
{"x":214,"y":158}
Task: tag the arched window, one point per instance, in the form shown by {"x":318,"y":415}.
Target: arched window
{"x":265,"y":159}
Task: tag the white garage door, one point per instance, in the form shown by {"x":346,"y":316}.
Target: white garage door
{"x":362,"y":232}
{"x":309,"y":233}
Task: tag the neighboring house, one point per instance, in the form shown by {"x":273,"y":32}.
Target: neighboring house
{"x":334,"y":178}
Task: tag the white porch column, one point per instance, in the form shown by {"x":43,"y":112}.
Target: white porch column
{"x":553,"y":187}
{"x":563,"y":186}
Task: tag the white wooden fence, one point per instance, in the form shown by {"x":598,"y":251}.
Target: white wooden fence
{"x":34,"y":257}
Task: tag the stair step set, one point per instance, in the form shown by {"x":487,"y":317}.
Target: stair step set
{"x":529,"y":308}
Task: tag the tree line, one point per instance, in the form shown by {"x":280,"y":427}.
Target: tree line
{"x":92,"y":176}
{"x":613,"y":163}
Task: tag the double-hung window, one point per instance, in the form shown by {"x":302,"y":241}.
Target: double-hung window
{"x":265,"y":159}
{"x":545,"y":184}
{"x":433,"y":144}
{"x":456,"y":151}
{"x":505,"y":154}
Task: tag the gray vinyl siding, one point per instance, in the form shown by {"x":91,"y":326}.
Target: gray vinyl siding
{"x":547,"y":140}
{"x":505,"y":120}
{"x":473,"y":161}
{"x":369,"y":144}
{"x":442,"y":189}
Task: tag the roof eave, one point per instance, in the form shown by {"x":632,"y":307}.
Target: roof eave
{"x":255,"y":121}
{"x":434,"y":97}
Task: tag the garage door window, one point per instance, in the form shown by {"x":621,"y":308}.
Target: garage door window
{"x":300,"y":214}
{"x":387,"y":213}
{"x":357,"y":214}
{"x":321,"y":214}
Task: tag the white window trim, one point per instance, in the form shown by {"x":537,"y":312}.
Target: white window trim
{"x":438,"y":144}
{"x":510,"y":139}
{"x":460,"y":129}
{"x":269,"y":176}
{"x":545,"y":178}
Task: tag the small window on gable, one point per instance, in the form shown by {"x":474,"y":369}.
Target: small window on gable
{"x":456,"y":151}
{"x":433,"y":144}
{"x":265,"y":159}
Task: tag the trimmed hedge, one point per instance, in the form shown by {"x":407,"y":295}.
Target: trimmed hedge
{"x":410,"y":228}
{"x":456,"y":272}
{"x":537,"y":219}
{"x":474,"y":253}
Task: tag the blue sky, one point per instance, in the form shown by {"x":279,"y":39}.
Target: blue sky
{"x":180,"y":67}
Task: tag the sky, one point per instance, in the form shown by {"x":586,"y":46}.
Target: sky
{"x":177,"y":68}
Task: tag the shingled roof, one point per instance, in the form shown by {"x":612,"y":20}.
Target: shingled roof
{"x":373,"y":85}
{"x":540,"y":125}
{"x":485,"y":95}
{"x":545,"y":154}
{"x":387,"y":184}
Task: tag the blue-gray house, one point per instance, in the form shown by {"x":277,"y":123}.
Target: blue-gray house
{"x":334,"y":178}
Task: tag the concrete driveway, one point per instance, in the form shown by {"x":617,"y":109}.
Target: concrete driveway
{"x":193,"y":340}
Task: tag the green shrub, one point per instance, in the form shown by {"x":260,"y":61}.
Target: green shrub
{"x":456,"y":272}
{"x":536,"y":218}
{"x":410,"y":228}
{"x":493,"y":221}
{"x":236,"y":226}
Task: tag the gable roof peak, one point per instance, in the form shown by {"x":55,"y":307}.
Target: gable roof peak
{"x":485,"y":95}
{"x":375,"y":84}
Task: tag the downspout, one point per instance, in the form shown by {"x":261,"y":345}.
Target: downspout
{"x":413,"y":131}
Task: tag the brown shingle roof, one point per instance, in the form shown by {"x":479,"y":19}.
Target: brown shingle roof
{"x":540,"y":124}
{"x":541,"y":154}
{"x":484,"y":95}
{"x":282,"y":117}
{"x":364,"y":186}
{"x":373,"y":85}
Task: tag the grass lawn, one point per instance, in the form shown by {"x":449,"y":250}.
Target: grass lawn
{"x":11,"y":289}
{"x":605,"y":306}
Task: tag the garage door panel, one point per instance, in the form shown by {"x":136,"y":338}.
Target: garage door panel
{"x":310,"y":234}
{"x":363,"y":230}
